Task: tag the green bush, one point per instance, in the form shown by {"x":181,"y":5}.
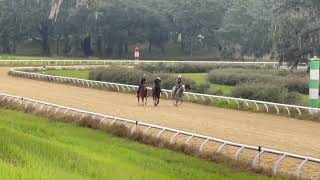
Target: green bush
{"x":124,"y":75}
{"x":294,"y":82}
{"x":202,"y":88}
{"x":269,"y":92}
{"x":297,"y":84}
{"x":189,"y":68}
{"x":117,"y":74}
{"x":174,"y":68}
{"x":232,"y":77}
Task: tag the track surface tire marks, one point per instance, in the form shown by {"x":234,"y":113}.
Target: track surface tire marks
{"x":280,"y":133}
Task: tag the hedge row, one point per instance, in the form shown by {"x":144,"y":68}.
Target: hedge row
{"x":294,"y":82}
{"x":267,"y":92}
{"x":190,"y":68}
{"x":125,"y":75}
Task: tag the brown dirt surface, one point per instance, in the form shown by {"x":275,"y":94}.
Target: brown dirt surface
{"x":271,"y":131}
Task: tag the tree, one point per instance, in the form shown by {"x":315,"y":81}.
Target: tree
{"x":296,"y":26}
{"x":248,"y":24}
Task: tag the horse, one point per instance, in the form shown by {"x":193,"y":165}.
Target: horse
{"x":178,"y":96}
{"x":143,"y":94}
{"x":156,"y":92}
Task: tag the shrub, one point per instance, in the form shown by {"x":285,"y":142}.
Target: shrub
{"x":174,"y":68}
{"x":269,"y":92}
{"x":294,"y":82}
{"x":189,"y":68}
{"x":202,"y":88}
{"x":297,"y":84}
{"x":116,"y":74}
{"x":218,"y":92}
{"x":125,"y":75}
{"x":232,"y":77}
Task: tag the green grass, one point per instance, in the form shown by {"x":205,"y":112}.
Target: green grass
{"x":305,"y":99}
{"x":224,"y":89}
{"x":202,"y":78}
{"x":36,"y":148}
{"x":80,"y":74}
{"x":17,"y":57}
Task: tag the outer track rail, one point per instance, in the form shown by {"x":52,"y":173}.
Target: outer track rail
{"x":104,"y":62}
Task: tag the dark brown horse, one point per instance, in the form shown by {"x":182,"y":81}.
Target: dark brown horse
{"x":143,"y":94}
{"x":156,"y":91}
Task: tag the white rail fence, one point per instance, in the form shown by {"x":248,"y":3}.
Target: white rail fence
{"x":300,"y":161}
{"x":105,"y":62}
{"x":260,"y":106}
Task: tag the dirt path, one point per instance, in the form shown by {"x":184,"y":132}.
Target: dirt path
{"x":270,"y":131}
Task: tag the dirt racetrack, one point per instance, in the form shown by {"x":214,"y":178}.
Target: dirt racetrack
{"x":280,"y":133}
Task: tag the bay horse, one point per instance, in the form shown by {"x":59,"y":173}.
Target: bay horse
{"x":156,"y":92}
{"x":143,"y":94}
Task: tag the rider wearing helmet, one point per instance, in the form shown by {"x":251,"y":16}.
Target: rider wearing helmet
{"x":178,"y":83}
{"x":157,"y":82}
{"x":143,"y":82}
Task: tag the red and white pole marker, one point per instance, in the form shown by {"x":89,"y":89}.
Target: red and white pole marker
{"x":137,"y":55}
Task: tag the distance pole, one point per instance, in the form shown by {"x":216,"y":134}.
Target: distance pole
{"x":314,"y":83}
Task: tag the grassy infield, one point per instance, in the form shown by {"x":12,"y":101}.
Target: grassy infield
{"x":200,"y":78}
{"x":37,"y":148}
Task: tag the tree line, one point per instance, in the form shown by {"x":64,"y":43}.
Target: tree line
{"x":284,"y":30}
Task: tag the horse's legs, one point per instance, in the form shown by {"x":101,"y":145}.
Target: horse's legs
{"x":181,"y":100}
{"x":138,"y":99}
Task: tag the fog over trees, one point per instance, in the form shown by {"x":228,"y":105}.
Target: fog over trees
{"x":283,"y":30}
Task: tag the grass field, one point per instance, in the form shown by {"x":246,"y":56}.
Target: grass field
{"x":13,"y":57}
{"x":202,"y":78}
{"x":36,"y":148}
{"x":81,"y":74}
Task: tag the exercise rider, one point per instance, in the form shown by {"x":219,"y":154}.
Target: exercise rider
{"x":178,"y":83}
{"x":143,"y":82}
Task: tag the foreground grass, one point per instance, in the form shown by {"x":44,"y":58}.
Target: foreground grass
{"x":35,"y":148}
